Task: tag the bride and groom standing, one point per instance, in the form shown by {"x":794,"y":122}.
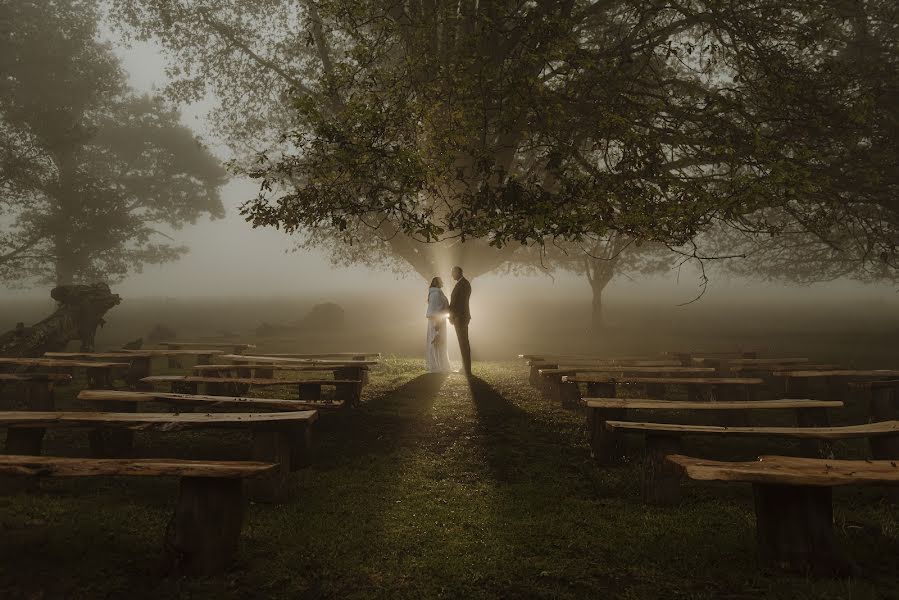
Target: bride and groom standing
{"x":439,"y":308}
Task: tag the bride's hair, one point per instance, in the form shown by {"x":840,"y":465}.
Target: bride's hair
{"x":436,"y":282}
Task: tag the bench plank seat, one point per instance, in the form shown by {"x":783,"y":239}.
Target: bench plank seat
{"x":203,"y":345}
{"x":753,"y":361}
{"x":881,"y":428}
{"x":791,"y":470}
{"x":793,"y":504}
{"x":132,"y":354}
{"x":26,"y":377}
{"x":562,"y":369}
{"x":301,"y":368}
{"x":364,"y":355}
{"x":60,"y":364}
{"x":203,"y":400}
{"x":841,"y":373}
{"x":244,"y":358}
{"x":666,"y":380}
{"x":53,"y":466}
{"x":203,"y":534}
{"x":646,"y":404}
{"x":258,"y":381}
{"x":153,"y":421}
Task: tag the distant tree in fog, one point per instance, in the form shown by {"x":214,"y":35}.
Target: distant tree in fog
{"x":392,"y":124}
{"x":88,"y":169}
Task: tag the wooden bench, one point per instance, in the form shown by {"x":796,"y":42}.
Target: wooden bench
{"x":715,"y":388}
{"x":347,"y":390}
{"x":552,"y":379}
{"x":38,"y":389}
{"x":607,"y":447}
{"x":793,"y":503}
{"x":204,"y":532}
{"x":333,"y":355}
{"x":98,"y":374}
{"x":660,"y":480}
{"x":537,"y":364}
{"x":230,"y":346}
{"x":343,"y":369}
{"x":283,"y":438}
{"x":127,"y":401}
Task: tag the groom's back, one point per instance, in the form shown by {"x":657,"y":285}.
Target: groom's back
{"x":459,"y":300}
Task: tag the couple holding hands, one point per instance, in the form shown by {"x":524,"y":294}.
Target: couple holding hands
{"x":456,"y":309}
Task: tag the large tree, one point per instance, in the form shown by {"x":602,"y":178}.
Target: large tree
{"x":89,"y":171}
{"x":498,"y":122}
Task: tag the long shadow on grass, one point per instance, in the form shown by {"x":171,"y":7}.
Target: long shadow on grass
{"x":381,"y":425}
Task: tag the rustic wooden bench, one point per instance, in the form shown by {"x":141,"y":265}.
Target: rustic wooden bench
{"x":347,"y":390}
{"x":793,"y":503}
{"x":140,"y":361}
{"x":714,"y":388}
{"x":332,"y":355}
{"x":660,"y":480}
{"x":98,"y":374}
{"x":552,"y":379}
{"x":204,"y":532}
{"x":38,"y":389}
{"x":607,"y":446}
{"x":536,"y":365}
{"x":284,"y":438}
{"x":128,"y":401}
{"x":343,"y":369}
{"x":234,"y":348}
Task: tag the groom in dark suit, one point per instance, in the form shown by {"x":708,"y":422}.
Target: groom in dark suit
{"x":460,"y":315}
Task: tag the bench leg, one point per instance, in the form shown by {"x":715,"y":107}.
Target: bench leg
{"x":794,"y":529}
{"x":661,"y":478}
{"x":883,"y":408}
{"x":112,"y":442}
{"x":273,"y":447}
{"x":174,"y":362}
{"x":534,"y":376}
{"x":606,"y":447}
{"x":310,"y":391}
{"x":203,"y":535}
{"x":569,"y":394}
{"x":814,"y":417}
{"x":185,"y":387}
{"x":139,"y":368}
{"x":302,"y":447}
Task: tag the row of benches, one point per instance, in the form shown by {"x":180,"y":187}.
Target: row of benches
{"x":793,"y":506}
{"x":203,"y":535}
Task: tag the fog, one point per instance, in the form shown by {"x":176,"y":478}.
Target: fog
{"x":235,"y":277}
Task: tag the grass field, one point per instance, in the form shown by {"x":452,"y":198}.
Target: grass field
{"x":434,"y":488}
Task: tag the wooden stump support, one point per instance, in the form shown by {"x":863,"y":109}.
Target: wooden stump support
{"x":661,"y":478}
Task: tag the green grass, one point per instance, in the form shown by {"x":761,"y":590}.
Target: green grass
{"x":434,"y":488}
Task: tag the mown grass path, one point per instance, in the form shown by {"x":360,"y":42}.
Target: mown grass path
{"x":437,"y":487}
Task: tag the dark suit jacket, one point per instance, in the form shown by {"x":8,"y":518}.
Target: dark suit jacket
{"x":459,"y":310}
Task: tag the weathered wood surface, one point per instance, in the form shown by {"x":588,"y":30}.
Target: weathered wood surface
{"x":789,"y":470}
{"x":841,"y":373}
{"x":60,"y":378}
{"x":154,"y":421}
{"x":876,"y":385}
{"x":80,"y":310}
{"x":258,"y":381}
{"x":563,"y":369}
{"x":726,"y":405}
{"x":203,"y":345}
{"x":666,"y":380}
{"x":51,"y":363}
{"x":548,"y":364}
{"x":203,"y":400}
{"x":131,"y":354}
{"x":364,"y":355}
{"x":52,"y":466}
{"x":244,"y":358}
{"x":825,"y":433}
{"x":300,"y":368}
{"x":755,"y":362}
{"x":780,"y":368}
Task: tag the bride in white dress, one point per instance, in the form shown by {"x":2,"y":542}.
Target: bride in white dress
{"x":437,"y":360}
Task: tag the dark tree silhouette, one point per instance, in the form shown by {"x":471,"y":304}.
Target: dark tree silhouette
{"x":88,"y":169}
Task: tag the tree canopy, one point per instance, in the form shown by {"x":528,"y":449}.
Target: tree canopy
{"x":516,"y":122}
{"x":89,"y":170}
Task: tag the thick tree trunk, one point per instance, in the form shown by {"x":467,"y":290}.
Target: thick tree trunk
{"x":596,"y":314}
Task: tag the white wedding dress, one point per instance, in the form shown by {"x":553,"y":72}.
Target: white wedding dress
{"x":437,"y":355}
